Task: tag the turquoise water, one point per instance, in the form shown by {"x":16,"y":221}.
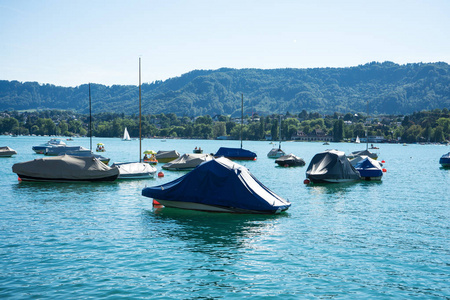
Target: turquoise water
{"x":387,"y":240}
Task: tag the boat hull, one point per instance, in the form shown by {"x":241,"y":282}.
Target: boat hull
{"x":214,"y":208}
{"x":41,"y":179}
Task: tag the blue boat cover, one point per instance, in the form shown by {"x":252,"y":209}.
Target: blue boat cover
{"x":235,"y":153}
{"x":223,"y":183}
{"x":369,"y":168}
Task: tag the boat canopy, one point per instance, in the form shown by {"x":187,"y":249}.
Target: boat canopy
{"x":331,"y":166}
{"x":368,"y":168}
{"x":187,"y":161}
{"x":133,"y":170}
{"x":363,"y":152}
{"x":290,"y":160}
{"x":220,"y":183}
{"x":166,"y":156}
{"x":65,"y":168}
{"x":235,"y":153}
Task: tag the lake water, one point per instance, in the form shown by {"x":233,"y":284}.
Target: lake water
{"x":386,"y":240}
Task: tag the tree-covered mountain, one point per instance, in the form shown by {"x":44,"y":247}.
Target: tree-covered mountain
{"x":389,"y":88}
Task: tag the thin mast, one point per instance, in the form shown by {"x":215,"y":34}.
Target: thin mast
{"x":140,"y":127}
{"x":242,"y":114}
{"x":367,"y":135}
{"x":90,"y":118}
{"x":279,"y":146}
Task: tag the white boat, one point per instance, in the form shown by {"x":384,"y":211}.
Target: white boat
{"x":7,"y":152}
{"x":277,"y":152}
{"x":51,"y":143}
{"x":126,"y":135}
{"x":357,"y":141}
{"x":136,"y":170}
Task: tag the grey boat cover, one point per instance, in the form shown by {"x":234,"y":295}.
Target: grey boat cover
{"x":187,"y":161}
{"x":362,"y":152}
{"x":132,"y":170}
{"x":166,"y":156}
{"x":331,"y":165}
{"x":65,"y":168}
{"x":57,"y":150}
{"x":290,"y":159}
{"x":6,"y":151}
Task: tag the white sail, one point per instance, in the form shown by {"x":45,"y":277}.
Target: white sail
{"x":126,"y":136}
{"x":357,"y":140}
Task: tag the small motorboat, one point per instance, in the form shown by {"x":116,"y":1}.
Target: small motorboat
{"x":58,"y":150}
{"x":290,"y":160}
{"x":235,"y":153}
{"x":150,"y":159}
{"x":52,"y":142}
{"x":135,"y":170}
{"x":331,"y":166}
{"x":198,"y":150}
{"x":100,"y":147}
{"x":369,"y":169}
{"x":7,"y":152}
{"x":166,"y":156}
{"x":445,"y":160}
{"x":275,"y":153}
{"x":218,"y":185}
{"x":65,"y":168}
{"x":187,"y":161}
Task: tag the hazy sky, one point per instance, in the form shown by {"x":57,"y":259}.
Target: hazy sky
{"x":73,"y":42}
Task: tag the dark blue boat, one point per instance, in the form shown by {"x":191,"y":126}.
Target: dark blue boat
{"x":369,"y":169}
{"x":218,"y":185}
{"x":235,"y":153}
{"x":445,"y":160}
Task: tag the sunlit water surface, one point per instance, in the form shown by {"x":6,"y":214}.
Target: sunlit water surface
{"x":104,"y":240}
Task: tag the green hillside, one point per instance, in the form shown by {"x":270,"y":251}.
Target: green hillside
{"x":388,"y":87}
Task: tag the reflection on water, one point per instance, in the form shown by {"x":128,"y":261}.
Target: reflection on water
{"x":212,"y":233}
{"x":331,"y":188}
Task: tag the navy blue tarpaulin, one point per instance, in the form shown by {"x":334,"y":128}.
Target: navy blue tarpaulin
{"x":235,"y":153}
{"x":218,"y":184}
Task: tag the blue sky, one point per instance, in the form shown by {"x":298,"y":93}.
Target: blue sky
{"x":70,"y":43}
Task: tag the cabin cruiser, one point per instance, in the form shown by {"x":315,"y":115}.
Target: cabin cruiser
{"x":52,"y":142}
{"x":7,"y":152}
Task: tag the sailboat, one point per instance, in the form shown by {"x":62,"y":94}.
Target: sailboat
{"x":237,"y":153}
{"x":277,"y":152}
{"x":126,"y":135}
{"x":136,"y":170}
{"x":357,"y":141}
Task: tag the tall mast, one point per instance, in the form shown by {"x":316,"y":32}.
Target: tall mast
{"x":90,"y":118}
{"x":367,"y":135}
{"x":279,"y":146}
{"x":140,"y":127}
{"x":242,"y":114}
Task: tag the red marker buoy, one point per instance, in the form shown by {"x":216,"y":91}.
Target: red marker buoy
{"x":384,"y":170}
{"x":382,"y":161}
{"x":306,"y":181}
{"x":19,"y":179}
{"x":160,"y":174}
{"x":156,"y":202}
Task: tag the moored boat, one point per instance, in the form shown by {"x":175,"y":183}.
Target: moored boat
{"x":290,"y":160}
{"x":235,"y":153}
{"x":187,"y":161}
{"x":65,"y":168}
{"x":126,"y":135}
{"x":331,"y":166}
{"x":275,"y":153}
{"x":135,"y":170}
{"x":369,"y":169}
{"x":166,"y":156}
{"x":40,"y":149}
{"x":7,"y":152}
{"x":218,"y":185}
{"x":58,"y":150}
{"x":445,"y":160}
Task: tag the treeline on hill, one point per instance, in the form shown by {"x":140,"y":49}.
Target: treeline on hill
{"x":389,"y":88}
{"x":425,"y":126}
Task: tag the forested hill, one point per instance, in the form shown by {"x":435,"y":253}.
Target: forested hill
{"x":388,"y":87}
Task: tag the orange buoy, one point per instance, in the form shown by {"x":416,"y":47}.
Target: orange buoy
{"x":156,"y":202}
{"x":384,"y":170}
{"x":19,"y":179}
{"x":160,"y":174}
{"x":382,"y":161}
{"x":306,"y":181}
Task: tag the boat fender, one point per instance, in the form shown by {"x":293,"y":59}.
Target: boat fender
{"x":306,"y":181}
{"x":156,"y":202}
{"x":160,"y":174}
